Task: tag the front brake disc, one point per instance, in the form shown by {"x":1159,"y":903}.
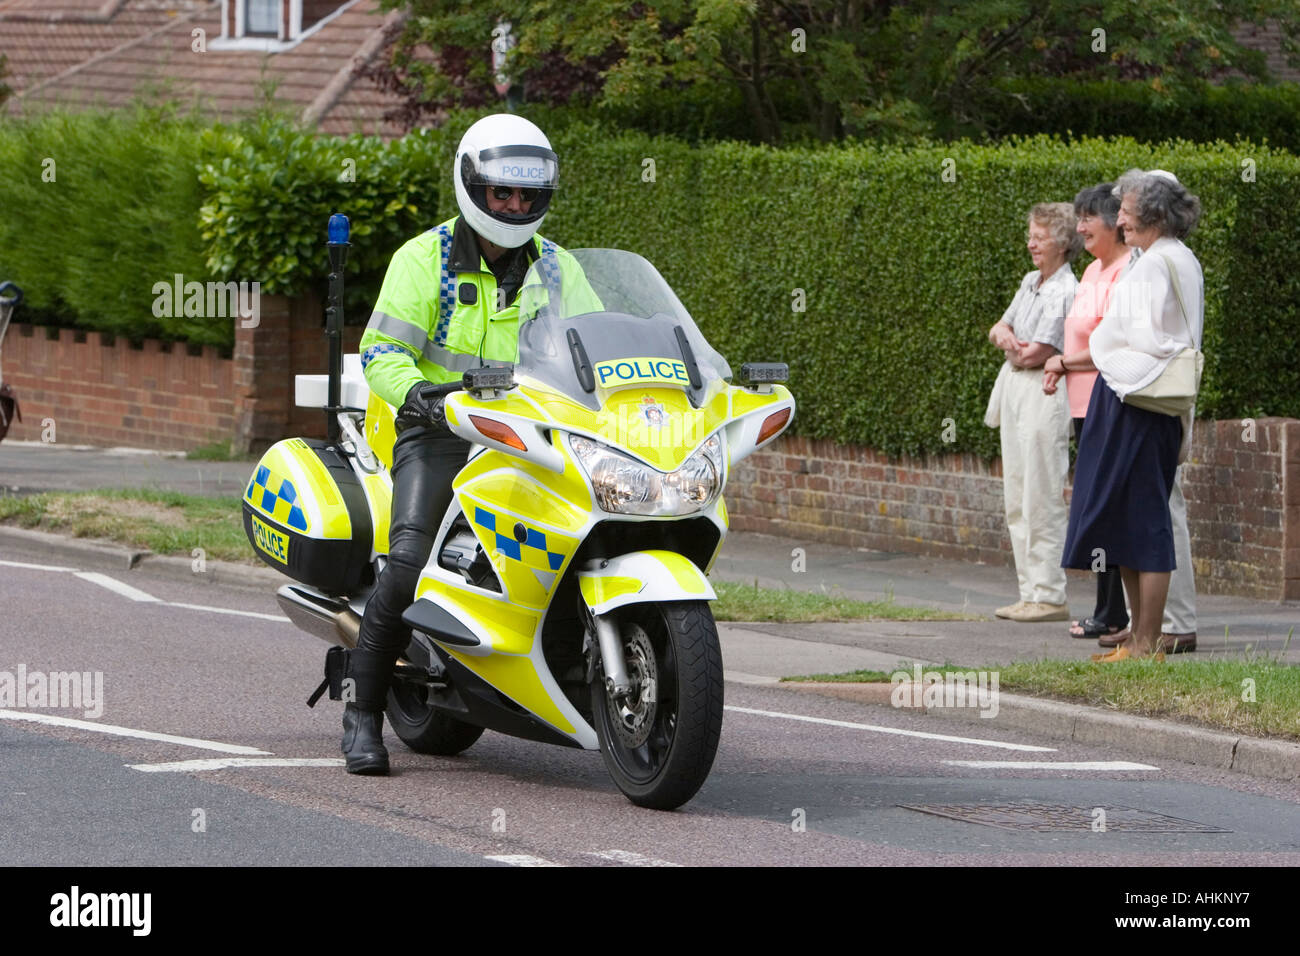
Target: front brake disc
{"x":634,"y":717}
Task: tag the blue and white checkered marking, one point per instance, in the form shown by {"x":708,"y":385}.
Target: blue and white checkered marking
{"x":550,"y":268}
{"x":369,"y":354}
{"x":446,"y":288}
{"x":507,"y":545}
{"x":282,"y":503}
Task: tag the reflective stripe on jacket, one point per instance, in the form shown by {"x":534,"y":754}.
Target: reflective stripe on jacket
{"x":430,"y":324}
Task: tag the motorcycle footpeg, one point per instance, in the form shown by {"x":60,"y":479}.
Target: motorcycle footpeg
{"x":336,"y":663}
{"x":433,"y":676}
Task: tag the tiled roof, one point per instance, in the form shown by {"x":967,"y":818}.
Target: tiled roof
{"x":361,"y":110}
{"x":59,"y":9}
{"x":147,"y":47}
{"x":43,"y":38}
{"x":1268,"y":39}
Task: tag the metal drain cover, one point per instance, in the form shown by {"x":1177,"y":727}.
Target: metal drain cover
{"x":1046,"y":817}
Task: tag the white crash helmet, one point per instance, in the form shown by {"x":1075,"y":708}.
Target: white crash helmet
{"x":504,"y":150}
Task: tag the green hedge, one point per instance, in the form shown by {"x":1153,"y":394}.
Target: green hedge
{"x":902,"y":272}
{"x":1201,"y":112}
{"x":137,"y":198}
{"x":94,"y":209}
{"x":269,"y":188}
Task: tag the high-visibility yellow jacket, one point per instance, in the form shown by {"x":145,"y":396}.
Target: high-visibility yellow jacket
{"x":437,"y":313}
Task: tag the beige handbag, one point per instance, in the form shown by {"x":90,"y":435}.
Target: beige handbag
{"x":1174,"y":390}
{"x":993,"y":413}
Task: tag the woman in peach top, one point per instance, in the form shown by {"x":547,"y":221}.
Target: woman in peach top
{"x":1096,"y":209}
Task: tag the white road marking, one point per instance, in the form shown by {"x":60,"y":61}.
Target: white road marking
{"x":1050,"y":765}
{"x":630,"y":859}
{"x":227,"y":610}
{"x":893,"y":730}
{"x":222,"y":763}
{"x":135,"y":594}
{"x":131,"y":732}
{"x":521,"y":860}
{"x":104,"y":581}
{"x":34,"y":567}
{"x":740,"y":677}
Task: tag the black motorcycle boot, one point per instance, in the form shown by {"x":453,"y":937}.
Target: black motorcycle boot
{"x":363,"y":718}
{"x":363,"y":742}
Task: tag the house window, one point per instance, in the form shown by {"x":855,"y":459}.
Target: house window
{"x":263,"y":17}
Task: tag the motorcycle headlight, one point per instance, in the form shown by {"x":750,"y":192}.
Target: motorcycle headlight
{"x":625,"y":486}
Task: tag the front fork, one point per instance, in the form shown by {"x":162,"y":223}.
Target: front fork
{"x":641,"y":577}
{"x":612,"y":660}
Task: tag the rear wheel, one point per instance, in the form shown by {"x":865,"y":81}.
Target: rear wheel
{"x":419,"y":725}
{"x":659,"y":742}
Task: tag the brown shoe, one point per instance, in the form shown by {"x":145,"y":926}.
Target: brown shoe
{"x":1124,"y":654}
{"x":1177,"y":643}
{"x":1115,"y":640}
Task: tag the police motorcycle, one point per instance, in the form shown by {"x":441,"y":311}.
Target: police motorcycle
{"x":566,"y":599}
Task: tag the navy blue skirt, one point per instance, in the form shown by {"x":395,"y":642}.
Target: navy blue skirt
{"x":1122,"y":481}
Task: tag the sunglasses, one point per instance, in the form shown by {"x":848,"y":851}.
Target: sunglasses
{"x":526,"y":193}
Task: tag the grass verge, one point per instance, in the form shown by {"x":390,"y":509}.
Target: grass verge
{"x":744,"y":602}
{"x":216,"y":451}
{"x":1258,"y":696}
{"x":161,"y":521}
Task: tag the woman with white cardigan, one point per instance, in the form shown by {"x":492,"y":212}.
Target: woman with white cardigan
{"x":1127,"y":455}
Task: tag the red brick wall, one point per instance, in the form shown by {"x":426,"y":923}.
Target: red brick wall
{"x":1243,"y":503}
{"x":160,"y":396}
{"x":310,"y":351}
{"x":949,"y":506}
{"x":157,"y":396}
{"x":1243,"y":506}
{"x":288,"y":340}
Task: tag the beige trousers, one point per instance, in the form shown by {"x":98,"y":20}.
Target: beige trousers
{"x":1035,"y":458}
{"x":1180,"y":606}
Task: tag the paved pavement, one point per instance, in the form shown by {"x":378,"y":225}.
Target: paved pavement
{"x":27,"y":467}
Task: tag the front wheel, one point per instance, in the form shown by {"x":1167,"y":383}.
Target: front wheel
{"x":659,"y":742}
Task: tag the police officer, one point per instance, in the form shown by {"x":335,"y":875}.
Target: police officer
{"x":448,"y":304}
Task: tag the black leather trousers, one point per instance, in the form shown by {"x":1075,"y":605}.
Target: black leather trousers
{"x":425,"y":460}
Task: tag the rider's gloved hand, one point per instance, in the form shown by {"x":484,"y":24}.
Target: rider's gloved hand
{"x":423,"y":407}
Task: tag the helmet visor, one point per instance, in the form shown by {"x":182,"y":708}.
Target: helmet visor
{"x":521,"y":166}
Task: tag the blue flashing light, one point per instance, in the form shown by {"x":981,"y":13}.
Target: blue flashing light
{"x":338,"y":230}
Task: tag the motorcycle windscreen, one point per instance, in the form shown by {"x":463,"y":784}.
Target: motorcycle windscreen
{"x":593,"y":321}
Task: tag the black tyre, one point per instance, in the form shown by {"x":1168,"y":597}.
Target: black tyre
{"x":421,"y":727}
{"x":659,"y":744}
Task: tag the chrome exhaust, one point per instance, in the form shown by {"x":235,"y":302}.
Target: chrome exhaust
{"x":320,"y":615}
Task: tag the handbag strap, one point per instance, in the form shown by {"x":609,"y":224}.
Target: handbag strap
{"x":1178,"y":294}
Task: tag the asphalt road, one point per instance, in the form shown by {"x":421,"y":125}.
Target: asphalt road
{"x":799,"y":780}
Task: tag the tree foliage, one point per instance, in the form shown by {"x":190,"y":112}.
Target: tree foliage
{"x":829,"y":67}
